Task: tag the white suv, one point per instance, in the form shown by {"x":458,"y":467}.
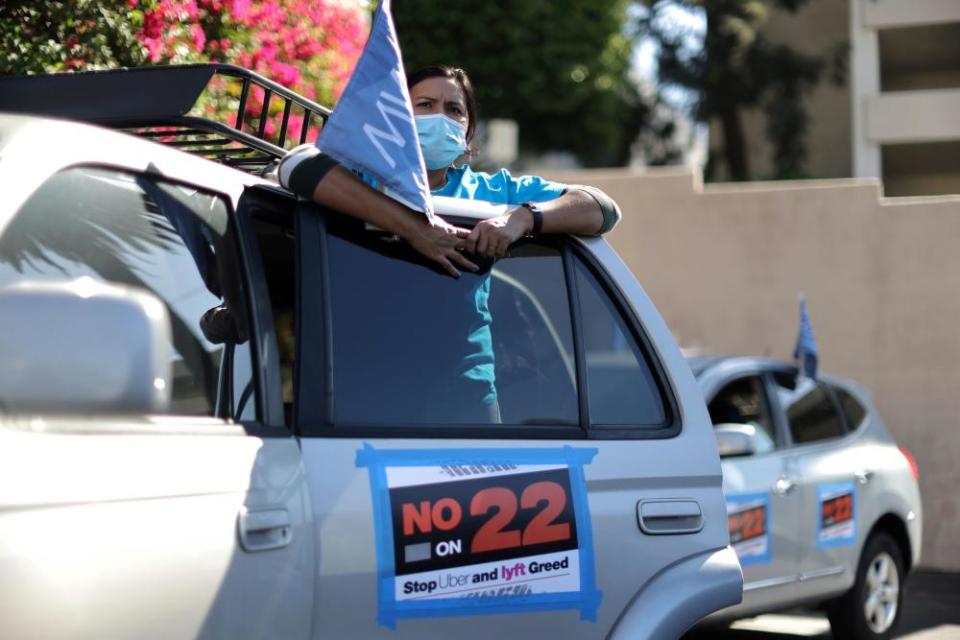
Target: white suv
{"x":223,"y":412}
{"x":825,"y":508}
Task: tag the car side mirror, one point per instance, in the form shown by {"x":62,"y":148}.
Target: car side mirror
{"x":83,"y":347}
{"x":734,"y":440}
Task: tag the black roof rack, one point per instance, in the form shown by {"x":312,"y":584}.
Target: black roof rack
{"x":155,"y":103}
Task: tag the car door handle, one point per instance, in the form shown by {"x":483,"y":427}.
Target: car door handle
{"x":669,"y":517}
{"x":784,"y":486}
{"x":264,"y":529}
{"x":864,"y":476}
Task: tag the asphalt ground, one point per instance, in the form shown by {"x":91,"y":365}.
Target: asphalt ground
{"x":931,"y":611}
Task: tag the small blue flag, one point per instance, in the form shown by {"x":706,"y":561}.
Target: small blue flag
{"x":805,"y":353}
{"x":372,"y":129}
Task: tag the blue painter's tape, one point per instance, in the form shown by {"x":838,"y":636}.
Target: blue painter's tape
{"x":824,"y":493}
{"x":738,"y":500}
{"x":586,"y":600}
{"x":581,"y":507}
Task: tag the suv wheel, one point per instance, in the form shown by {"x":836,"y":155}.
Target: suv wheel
{"x":871,"y":609}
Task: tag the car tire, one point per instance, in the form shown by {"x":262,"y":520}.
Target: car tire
{"x":871,"y":609}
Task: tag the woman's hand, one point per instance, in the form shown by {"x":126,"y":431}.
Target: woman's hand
{"x":492,"y":237}
{"x":440,"y":242}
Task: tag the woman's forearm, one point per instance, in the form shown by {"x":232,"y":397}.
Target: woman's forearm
{"x":574,"y":212}
{"x":342,"y":191}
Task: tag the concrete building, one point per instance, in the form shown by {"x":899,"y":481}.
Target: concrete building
{"x":898,"y":116}
{"x":906,"y":94}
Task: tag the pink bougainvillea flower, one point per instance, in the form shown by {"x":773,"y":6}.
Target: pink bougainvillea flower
{"x":199,"y":37}
{"x":310,"y":46}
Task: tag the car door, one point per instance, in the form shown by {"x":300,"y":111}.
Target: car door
{"x":827,"y":463}
{"x":763,"y":502}
{"x":576,"y":488}
{"x":190,"y":524}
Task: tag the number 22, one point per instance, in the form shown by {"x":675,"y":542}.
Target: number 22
{"x":491,"y":536}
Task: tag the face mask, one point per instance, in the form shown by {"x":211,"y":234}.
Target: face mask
{"x":442,"y":140}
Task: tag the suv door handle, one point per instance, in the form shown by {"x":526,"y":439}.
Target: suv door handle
{"x":784,"y":486}
{"x":864,"y":475}
{"x":264,"y":529}
{"x":669,"y":517}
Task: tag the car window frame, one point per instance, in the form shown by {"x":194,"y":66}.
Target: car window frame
{"x":270,"y":422}
{"x":789,"y":443}
{"x":851,"y":428}
{"x":671,"y":426}
{"x":313,"y":409}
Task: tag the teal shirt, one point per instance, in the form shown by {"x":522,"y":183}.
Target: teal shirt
{"x":498,"y":188}
{"x":476,"y":369}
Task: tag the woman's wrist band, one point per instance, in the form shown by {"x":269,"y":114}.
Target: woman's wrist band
{"x":307,"y":175}
{"x":537,"y":214}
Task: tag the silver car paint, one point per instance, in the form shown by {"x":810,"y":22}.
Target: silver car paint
{"x":799,"y":572}
{"x":161,"y":483}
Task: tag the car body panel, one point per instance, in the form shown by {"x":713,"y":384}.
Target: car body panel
{"x":660,"y":610}
{"x":624,"y":557}
{"x":621,"y":475}
{"x":121,"y":528}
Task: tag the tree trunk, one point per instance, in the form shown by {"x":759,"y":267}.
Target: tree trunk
{"x":734,"y":146}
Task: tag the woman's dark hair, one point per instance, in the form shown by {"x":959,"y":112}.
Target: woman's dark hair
{"x":445,"y":71}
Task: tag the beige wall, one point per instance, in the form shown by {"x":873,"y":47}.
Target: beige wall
{"x":724,"y":265}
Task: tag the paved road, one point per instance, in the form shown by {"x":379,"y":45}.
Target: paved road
{"x":931,"y":612}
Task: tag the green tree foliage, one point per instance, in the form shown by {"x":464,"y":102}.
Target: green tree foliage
{"x":737,"y":68}
{"x":559,"y":68}
{"x":58,"y":35}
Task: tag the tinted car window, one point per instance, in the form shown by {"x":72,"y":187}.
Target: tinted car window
{"x":810,"y":410}
{"x":132,"y":230}
{"x":413,"y":346}
{"x":622,"y":388}
{"x":852,"y":409}
{"x":744,"y":401}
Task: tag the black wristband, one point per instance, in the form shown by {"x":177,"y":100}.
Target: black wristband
{"x":308,"y":174}
{"x":537,"y":214}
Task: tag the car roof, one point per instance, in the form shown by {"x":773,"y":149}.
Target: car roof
{"x":704,"y":364}
{"x":701,"y":363}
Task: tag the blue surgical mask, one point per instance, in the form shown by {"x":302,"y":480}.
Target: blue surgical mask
{"x":442,"y":140}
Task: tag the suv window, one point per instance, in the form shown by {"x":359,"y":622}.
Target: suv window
{"x":171,"y":240}
{"x":811,"y":412}
{"x":852,"y":409}
{"x":622,"y":388}
{"x":412,"y":346}
{"x":744,"y":401}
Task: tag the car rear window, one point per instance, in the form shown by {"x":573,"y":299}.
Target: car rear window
{"x":811,"y":412}
{"x":852,"y":409}
{"x":533,"y":340}
{"x":413,"y":346}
